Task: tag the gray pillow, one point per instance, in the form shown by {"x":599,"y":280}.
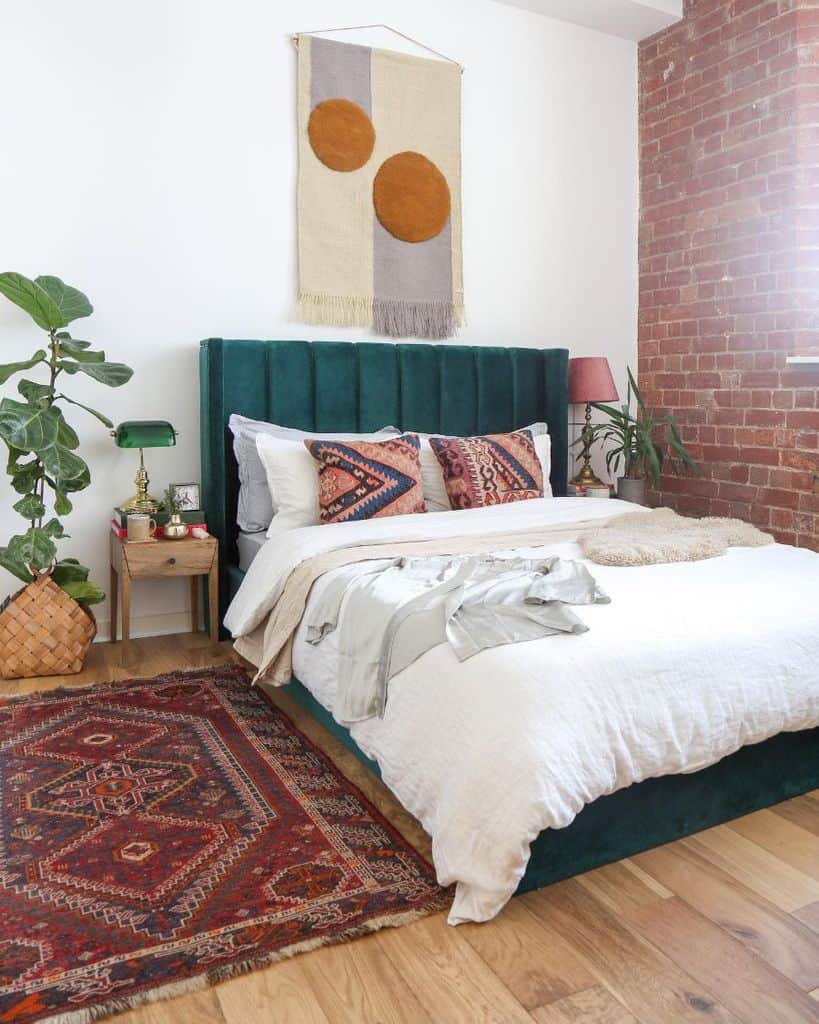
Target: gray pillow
{"x":256,"y":506}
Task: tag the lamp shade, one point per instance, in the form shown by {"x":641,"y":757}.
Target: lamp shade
{"x":590,"y":380}
{"x":145,"y":434}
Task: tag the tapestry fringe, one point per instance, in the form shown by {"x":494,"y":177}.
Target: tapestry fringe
{"x":395,"y":318}
{"x":336,"y":310}
{"x":398,"y":318}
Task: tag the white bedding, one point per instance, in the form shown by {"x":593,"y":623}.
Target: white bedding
{"x":689,"y":662}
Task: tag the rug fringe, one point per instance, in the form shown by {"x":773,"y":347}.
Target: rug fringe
{"x":207,"y":979}
{"x":97,"y":684}
{"x":338,"y":310}
{"x":398,"y":318}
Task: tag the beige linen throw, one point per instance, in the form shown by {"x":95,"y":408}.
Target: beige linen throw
{"x":270,"y":645}
{"x":632,"y":538}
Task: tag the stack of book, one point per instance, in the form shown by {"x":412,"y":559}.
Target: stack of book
{"x":575,"y":491}
{"x":119,"y":521}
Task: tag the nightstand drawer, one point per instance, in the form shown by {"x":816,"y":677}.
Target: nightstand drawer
{"x":170,"y":558}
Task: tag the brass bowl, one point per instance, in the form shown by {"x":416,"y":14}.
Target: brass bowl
{"x":175,"y":529}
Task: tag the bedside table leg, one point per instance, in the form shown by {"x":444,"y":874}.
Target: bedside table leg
{"x":194,"y":604}
{"x":126,"y":616}
{"x":112,"y":602}
{"x":213,"y":601}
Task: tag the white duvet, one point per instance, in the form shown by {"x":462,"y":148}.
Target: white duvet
{"x":689,"y":662}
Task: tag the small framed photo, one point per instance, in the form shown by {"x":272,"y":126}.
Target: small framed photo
{"x":186,"y":497}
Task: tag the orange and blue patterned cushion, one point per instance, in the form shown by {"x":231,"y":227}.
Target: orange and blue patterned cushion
{"x":490,"y":469}
{"x":368,"y":479}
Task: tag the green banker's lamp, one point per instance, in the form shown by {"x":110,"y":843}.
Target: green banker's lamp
{"x":143,"y":434}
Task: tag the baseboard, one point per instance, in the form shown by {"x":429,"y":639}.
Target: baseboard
{"x":148,"y":625}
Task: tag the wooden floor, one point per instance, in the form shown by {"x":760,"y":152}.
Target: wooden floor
{"x":720,"y":927}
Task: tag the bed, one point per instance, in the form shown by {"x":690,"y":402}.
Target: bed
{"x":462,"y":390}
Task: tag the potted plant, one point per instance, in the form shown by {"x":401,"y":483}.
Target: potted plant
{"x":46,"y":627}
{"x":633,"y":444}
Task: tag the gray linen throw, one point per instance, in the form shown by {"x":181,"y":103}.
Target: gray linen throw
{"x":410,"y":605}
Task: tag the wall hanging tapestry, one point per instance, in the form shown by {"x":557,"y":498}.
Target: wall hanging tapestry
{"x":379,"y":189}
{"x":161,"y":835}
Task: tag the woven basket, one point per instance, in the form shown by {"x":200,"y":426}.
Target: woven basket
{"x":44,"y":632}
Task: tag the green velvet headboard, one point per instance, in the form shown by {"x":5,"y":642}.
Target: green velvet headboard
{"x":335,"y":386}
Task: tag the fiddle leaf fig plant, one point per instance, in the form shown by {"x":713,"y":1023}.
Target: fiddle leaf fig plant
{"x":43,"y":463}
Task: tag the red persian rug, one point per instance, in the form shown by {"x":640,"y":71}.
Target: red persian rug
{"x":163,"y":834}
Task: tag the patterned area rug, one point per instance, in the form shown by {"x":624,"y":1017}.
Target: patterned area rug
{"x":164,"y":834}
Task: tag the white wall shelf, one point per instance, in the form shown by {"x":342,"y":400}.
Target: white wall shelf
{"x":803,"y":361}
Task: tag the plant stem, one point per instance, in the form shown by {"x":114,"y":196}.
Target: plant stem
{"x":54,"y":347}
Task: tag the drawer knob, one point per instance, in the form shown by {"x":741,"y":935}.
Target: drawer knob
{"x":171,"y":561}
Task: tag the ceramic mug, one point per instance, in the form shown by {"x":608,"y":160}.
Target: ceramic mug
{"x":140,"y":526}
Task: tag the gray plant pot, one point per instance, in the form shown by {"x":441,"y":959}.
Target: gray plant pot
{"x":632,"y":490}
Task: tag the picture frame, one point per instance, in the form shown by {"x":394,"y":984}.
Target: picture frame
{"x":186,"y":496}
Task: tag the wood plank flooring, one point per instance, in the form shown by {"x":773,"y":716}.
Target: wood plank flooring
{"x":721,"y":927}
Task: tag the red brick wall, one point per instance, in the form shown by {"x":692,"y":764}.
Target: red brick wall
{"x":729,"y":255}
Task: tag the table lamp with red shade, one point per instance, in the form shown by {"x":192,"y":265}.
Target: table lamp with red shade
{"x":590,"y":380}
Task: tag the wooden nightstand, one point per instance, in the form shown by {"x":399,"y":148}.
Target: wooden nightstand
{"x":188,"y":557}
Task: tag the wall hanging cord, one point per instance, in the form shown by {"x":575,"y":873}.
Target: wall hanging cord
{"x":389,"y":28}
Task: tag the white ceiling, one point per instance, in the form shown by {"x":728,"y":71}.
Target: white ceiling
{"x":630,"y":19}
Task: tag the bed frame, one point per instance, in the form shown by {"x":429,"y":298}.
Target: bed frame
{"x":455,"y":389}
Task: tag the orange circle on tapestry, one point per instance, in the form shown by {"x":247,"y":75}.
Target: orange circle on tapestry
{"x":341,"y":134}
{"x":411,"y":197}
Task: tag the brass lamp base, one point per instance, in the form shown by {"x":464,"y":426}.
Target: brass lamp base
{"x":587,"y":477}
{"x":141,"y":501}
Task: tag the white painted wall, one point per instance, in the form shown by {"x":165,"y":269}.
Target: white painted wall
{"x":149,"y":158}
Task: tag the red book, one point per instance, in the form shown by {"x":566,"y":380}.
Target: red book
{"x":122,"y":531}
{"x":191,"y":526}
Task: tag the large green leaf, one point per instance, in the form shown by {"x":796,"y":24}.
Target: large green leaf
{"x":80,"y":351}
{"x":30,"y":506}
{"x":70,"y":301}
{"x":34,"y":547}
{"x":94,"y":412}
{"x":66,"y":435}
{"x":64,"y":467}
{"x":69,"y":570}
{"x":24,"y":475}
{"x":15,"y":566}
{"x":84,"y":592}
{"x":32,"y":428}
{"x":33,"y":392}
{"x":62,"y":506}
{"x":112,"y":374}
{"x":34,"y":299}
{"x":9,"y":369}
{"x":27,"y":427}
{"x":75,"y":483}
{"x":66,"y":336}
{"x":54,"y":528}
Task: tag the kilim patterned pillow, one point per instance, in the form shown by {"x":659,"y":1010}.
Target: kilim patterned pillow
{"x":366,"y":479}
{"x":490,"y":469}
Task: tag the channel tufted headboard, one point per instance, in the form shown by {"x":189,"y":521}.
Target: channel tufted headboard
{"x":336,"y":386}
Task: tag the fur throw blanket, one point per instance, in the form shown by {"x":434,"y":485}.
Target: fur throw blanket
{"x":660,"y":535}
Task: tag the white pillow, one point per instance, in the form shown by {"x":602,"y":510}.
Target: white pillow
{"x":432,"y":476}
{"x":292,"y":476}
{"x":257,"y":503}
